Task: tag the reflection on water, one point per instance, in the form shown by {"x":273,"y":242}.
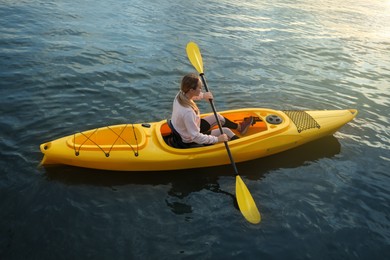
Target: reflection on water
{"x":184,"y":182}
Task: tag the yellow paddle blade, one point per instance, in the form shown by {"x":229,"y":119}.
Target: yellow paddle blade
{"x":246,"y":203}
{"x":194,"y":56}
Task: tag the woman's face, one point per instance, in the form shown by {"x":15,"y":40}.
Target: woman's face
{"x":198,"y":88}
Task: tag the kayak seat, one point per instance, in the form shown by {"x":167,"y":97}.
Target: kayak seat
{"x":174,"y":139}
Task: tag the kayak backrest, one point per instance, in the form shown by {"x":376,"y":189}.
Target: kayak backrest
{"x":165,"y":130}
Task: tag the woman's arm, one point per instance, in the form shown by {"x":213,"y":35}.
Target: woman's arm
{"x":203,"y":95}
{"x":193,"y":131}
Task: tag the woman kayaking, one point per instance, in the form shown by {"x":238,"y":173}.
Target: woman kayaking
{"x":193,"y":130}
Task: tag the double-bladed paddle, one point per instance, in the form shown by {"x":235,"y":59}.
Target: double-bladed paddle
{"x":245,"y":201}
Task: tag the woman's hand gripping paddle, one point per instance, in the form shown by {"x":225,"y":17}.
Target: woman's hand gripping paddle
{"x":245,"y":201}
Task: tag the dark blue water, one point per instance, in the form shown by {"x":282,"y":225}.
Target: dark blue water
{"x":69,"y":66}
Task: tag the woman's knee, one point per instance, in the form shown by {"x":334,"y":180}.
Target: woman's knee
{"x":212,"y":121}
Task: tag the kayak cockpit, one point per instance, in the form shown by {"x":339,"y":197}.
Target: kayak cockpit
{"x":172,"y":138}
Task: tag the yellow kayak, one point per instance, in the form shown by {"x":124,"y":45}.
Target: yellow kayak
{"x":146,"y":147}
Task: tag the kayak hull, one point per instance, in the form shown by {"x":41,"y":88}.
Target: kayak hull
{"x":143,"y":147}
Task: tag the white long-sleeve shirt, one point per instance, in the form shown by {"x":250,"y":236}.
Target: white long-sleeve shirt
{"x":187,"y":124}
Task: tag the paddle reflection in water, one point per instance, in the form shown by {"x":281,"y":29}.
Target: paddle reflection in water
{"x":184,"y":182}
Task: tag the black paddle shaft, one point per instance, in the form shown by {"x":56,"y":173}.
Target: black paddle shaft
{"x":219,"y":124}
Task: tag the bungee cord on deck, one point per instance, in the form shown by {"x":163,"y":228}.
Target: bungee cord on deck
{"x":107,"y":154}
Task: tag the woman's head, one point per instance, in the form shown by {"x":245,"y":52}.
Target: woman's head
{"x":190,"y":86}
{"x":190,"y":81}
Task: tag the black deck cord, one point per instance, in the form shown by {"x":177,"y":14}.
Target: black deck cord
{"x":119,"y":136}
{"x":116,"y":138}
{"x":107,"y":154}
{"x":136,"y":140}
{"x":88,"y":138}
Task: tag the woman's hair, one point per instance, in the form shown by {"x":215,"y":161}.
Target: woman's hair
{"x":189,"y":81}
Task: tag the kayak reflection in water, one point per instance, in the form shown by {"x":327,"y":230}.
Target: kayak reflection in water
{"x":193,"y":130}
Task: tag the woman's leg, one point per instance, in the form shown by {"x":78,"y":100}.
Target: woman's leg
{"x":208,"y":122}
{"x":227,"y":131}
{"x":229,"y":124}
{"x":213,"y":122}
{"x":205,"y":126}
